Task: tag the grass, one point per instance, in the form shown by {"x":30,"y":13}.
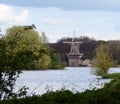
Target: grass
{"x":111,"y":76}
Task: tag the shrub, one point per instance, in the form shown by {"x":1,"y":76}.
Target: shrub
{"x":100,"y":96}
{"x":113,"y":85}
{"x":103,"y":60}
{"x":112,"y":76}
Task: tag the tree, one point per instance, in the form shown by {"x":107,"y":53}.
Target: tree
{"x":114,"y":46}
{"x":8,"y":74}
{"x":45,"y":61}
{"x":23,"y":43}
{"x":44,"y":38}
{"x":22,"y":48}
{"x":18,"y":48}
{"x":18,"y":38}
{"x":56,"y":60}
{"x":103,"y":60}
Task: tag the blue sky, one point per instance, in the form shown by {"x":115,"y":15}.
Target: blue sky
{"x":59,"y":18}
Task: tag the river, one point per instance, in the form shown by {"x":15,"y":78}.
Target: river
{"x":76,"y":79}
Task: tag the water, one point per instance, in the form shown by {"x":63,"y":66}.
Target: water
{"x":76,"y":79}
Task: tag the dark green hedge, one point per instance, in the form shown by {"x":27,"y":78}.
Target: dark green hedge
{"x":100,"y":96}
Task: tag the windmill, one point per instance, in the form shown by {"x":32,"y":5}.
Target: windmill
{"x":74,"y":56}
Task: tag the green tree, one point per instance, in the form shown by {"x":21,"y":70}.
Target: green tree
{"x":18,"y":38}
{"x":103,"y":60}
{"x":21,"y":48}
{"x":45,"y":61}
{"x":56,"y":60}
{"x":8,"y":74}
{"x":18,"y":48}
{"x":24,"y":44}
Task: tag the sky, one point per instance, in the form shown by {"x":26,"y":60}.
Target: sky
{"x":98,"y":19}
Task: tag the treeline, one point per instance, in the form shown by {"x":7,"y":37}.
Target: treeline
{"x":88,"y":47}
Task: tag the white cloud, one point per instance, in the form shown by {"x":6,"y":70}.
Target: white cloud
{"x":8,"y":15}
{"x":52,"y":21}
{"x":21,"y":18}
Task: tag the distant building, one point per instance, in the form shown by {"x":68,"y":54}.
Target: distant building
{"x":87,"y":62}
{"x":74,"y":56}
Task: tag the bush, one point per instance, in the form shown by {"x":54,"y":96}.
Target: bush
{"x":100,"y":96}
{"x":103,"y":60}
{"x":113,"y":85}
{"x":111,"y":76}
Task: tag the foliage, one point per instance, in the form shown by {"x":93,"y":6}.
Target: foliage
{"x":18,"y":39}
{"x":18,"y":48}
{"x":113,"y":85}
{"x":21,"y":48}
{"x":100,"y":96}
{"x":55,"y":60}
{"x":8,"y":74}
{"x":27,"y":49}
{"x":23,"y":59}
{"x":45,"y":61}
{"x":23,"y":44}
{"x":115,"y":50}
{"x":7,"y":81}
{"x":103,"y":60}
{"x":115,"y":82}
{"x":111,"y":76}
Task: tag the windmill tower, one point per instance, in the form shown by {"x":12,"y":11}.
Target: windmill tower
{"x":74,"y":56}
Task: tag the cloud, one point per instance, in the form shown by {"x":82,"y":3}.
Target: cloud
{"x":52,"y":21}
{"x":8,"y":15}
{"x":108,"y":5}
{"x":21,"y":18}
